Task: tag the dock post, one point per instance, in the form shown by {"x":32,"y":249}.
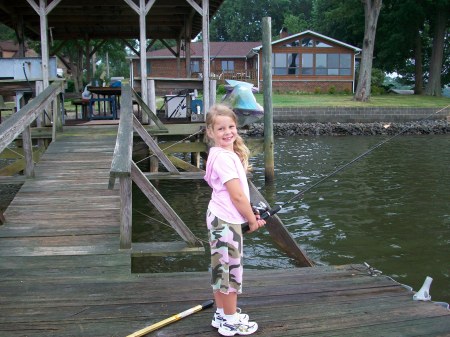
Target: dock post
{"x":267,"y":92}
{"x":125,"y":212}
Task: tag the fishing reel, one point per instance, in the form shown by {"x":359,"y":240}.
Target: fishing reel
{"x":260,"y":209}
{"x":264,"y":212}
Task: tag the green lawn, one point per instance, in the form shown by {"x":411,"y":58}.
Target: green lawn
{"x":324,"y":100}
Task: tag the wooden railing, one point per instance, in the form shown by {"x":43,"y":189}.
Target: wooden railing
{"x":20,"y":123}
{"x":124,"y":168}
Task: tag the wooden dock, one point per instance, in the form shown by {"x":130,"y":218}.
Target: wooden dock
{"x":62,"y":273}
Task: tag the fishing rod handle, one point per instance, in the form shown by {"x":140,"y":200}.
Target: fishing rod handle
{"x":264,"y":215}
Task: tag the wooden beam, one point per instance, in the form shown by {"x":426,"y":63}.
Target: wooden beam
{"x":153,"y":146}
{"x":145,"y":108}
{"x":123,"y":151}
{"x":184,"y":165}
{"x":167,"y":175}
{"x":278,"y":232}
{"x":163,"y":207}
{"x":141,"y":249}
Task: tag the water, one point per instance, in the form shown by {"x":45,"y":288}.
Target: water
{"x":391,"y":209}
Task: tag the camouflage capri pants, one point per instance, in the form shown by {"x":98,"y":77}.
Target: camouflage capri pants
{"x":226,"y":255}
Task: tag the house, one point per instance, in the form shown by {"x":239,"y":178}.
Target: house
{"x":303,"y":62}
{"x":310,"y":62}
{"x":228,"y":60}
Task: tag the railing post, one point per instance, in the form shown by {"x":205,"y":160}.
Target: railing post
{"x":28,"y":152}
{"x":125,"y":212}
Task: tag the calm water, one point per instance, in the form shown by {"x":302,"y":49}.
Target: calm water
{"x":391,"y":209}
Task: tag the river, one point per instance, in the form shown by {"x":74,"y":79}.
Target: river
{"x":390,"y":209}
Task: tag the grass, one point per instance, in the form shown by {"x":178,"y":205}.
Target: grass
{"x":337,"y":100}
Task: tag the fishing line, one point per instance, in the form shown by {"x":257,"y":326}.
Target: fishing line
{"x":167,"y":225}
{"x":265,"y":213}
{"x":180,"y":141}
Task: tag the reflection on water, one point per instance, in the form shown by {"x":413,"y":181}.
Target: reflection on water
{"x":391,"y":209}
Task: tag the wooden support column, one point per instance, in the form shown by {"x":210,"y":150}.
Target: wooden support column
{"x":28,"y":152}
{"x":142,"y":11}
{"x":206,"y":56}
{"x":212,"y":92}
{"x":268,"y":109}
{"x":43,"y":10}
{"x":125,"y":212}
{"x":151,"y":102}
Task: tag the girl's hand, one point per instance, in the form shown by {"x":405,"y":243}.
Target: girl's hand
{"x":256,"y":224}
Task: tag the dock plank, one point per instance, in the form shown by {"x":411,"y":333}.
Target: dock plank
{"x":62,"y":273}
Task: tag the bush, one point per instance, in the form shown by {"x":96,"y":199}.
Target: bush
{"x":317,"y":90}
{"x":376,"y":90}
{"x":332,"y":90}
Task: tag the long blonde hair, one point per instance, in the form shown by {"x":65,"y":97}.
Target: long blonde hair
{"x":239,"y":146}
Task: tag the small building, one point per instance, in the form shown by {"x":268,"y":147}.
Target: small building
{"x":229,"y":60}
{"x":310,"y":62}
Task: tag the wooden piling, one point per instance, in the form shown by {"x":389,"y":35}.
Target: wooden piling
{"x":268,"y":109}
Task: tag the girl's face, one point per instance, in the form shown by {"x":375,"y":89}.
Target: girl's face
{"x":223,"y":132}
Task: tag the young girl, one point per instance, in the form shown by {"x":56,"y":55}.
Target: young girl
{"x":229,"y":207}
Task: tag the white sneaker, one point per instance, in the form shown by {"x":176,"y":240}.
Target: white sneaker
{"x":238,"y":328}
{"x":218,"y":319}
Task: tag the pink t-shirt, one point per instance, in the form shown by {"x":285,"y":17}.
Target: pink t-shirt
{"x":223,"y":165}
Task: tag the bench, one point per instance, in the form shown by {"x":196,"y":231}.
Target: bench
{"x":84,"y":106}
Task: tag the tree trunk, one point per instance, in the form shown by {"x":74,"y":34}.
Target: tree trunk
{"x":433,"y":87}
{"x":418,"y":65}
{"x":371,"y":12}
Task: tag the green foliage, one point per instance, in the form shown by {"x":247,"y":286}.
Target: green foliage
{"x":221,"y":89}
{"x":378,"y":77}
{"x":242,"y":20}
{"x":332,"y":90}
{"x":6,"y":33}
{"x":70,"y":86}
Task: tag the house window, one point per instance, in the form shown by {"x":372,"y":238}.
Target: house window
{"x":293,"y":62}
{"x":149,"y":67}
{"x":307,"y":42}
{"x":279,"y":64}
{"x":333,"y":64}
{"x":228,"y":66}
{"x":320,"y":44}
{"x":345,"y":64}
{"x":285,"y":64}
{"x":195,"y":66}
{"x":307,"y":64}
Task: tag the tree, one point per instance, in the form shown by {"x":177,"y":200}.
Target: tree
{"x":371,"y":12}
{"x":242,"y":20}
{"x":402,"y":40}
{"x":440,"y":21}
{"x":340,"y":19}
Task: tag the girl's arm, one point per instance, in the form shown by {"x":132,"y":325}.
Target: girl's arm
{"x":242,"y":204}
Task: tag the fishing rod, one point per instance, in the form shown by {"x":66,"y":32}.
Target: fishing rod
{"x":265,"y":212}
{"x":172,"y":319}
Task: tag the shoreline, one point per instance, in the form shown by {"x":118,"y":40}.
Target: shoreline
{"x":426,"y":127}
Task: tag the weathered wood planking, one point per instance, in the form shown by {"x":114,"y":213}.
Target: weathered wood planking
{"x":62,"y":274}
{"x":317,"y":301}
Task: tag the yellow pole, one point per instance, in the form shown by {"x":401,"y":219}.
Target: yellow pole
{"x":172,"y":319}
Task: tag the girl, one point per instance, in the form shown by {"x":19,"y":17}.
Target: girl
{"x":228,"y":208}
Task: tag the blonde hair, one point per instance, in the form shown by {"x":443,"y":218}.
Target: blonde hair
{"x":239,"y":146}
